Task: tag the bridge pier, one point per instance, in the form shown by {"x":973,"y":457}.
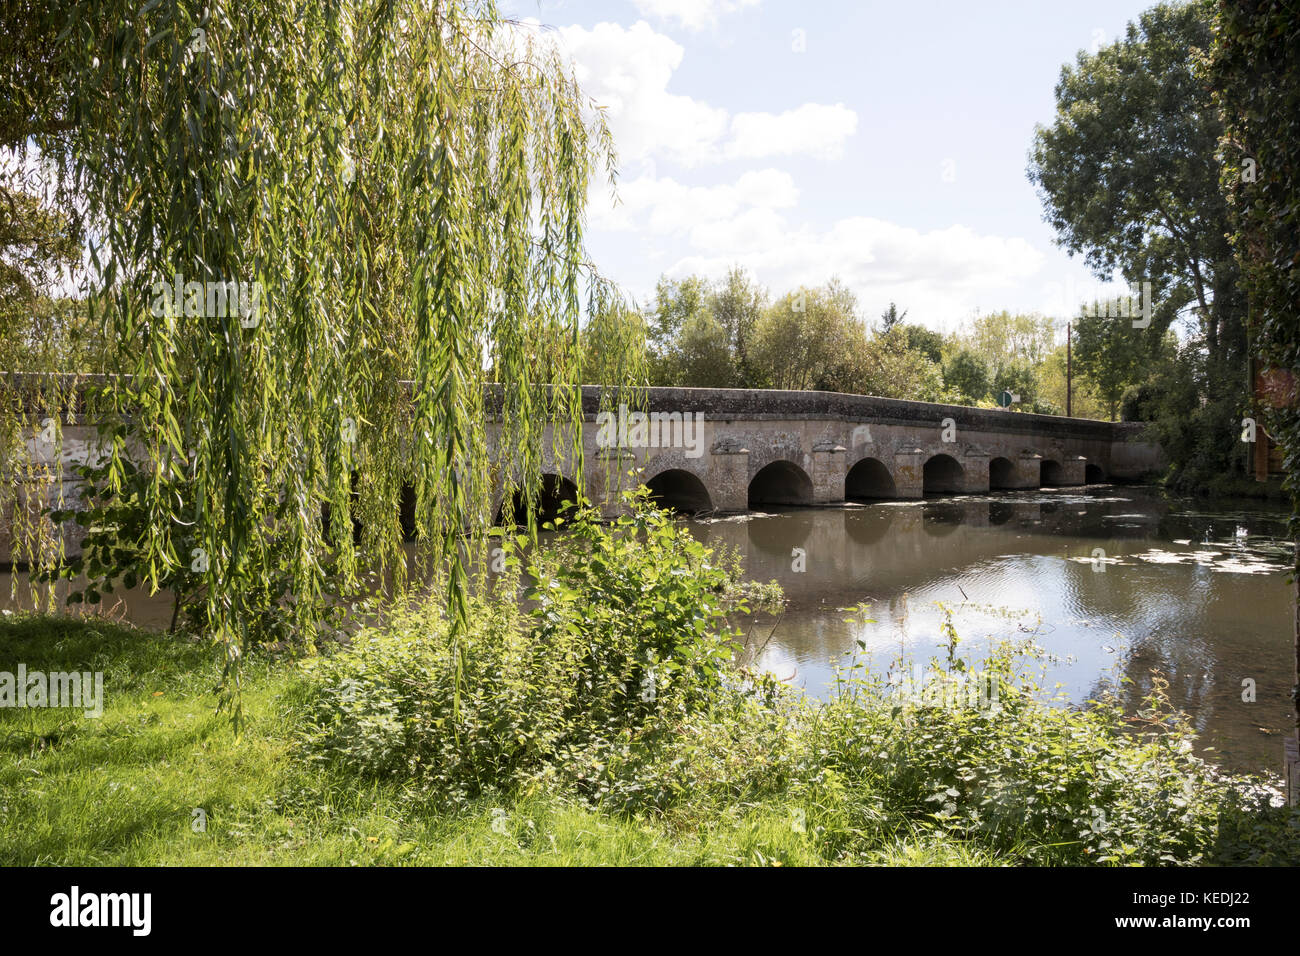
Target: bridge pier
{"x":975,"y":472}
{"x":728,"y":480}
{"x":1073,"y":470}
{"x":1029,"y":471}
{"x":909,"y":473}
{"x":828,"y":472}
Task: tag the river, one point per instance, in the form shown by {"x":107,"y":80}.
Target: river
{"x":1110,"y":581}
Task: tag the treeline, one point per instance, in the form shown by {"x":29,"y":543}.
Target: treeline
{"x":731,"y":333}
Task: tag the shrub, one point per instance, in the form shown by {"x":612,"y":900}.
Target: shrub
{"x":623,"y":630}
{"x":1053,"y":784}
{"x":558,"y":694}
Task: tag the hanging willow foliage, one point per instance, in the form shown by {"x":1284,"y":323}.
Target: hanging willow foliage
{"x":397,"y":190}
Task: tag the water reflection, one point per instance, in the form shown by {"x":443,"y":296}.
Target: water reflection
{"x":1112,"y":582}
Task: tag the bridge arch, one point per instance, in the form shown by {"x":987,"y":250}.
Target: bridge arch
{"x":869,"y":478}
{"x":554,"y":492}
{"x":943,"y":475}
{"x":1093,"y":474}
{"x":680,"y":490}
{"x":1051,"y":474}
{"x":1002,"y":474}
{"x":780,"y":482}
{"x":406,"y":511}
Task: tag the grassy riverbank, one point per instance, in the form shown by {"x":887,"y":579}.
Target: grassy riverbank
{"x":602,"y":721}
{"x":123,"y":789}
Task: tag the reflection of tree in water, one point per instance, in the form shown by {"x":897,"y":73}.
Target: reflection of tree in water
{"x":1000,"y":512}
{"x":1190,"y":682}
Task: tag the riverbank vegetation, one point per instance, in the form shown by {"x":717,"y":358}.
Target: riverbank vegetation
{"x":579,"y":727}
{"x":602,"y":719}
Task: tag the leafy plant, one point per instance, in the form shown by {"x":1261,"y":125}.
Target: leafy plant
{"x":623,"y":632}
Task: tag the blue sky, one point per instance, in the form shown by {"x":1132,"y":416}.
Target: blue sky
{"x":883,"y":142}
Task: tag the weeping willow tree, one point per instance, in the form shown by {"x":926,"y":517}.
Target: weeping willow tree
{"x":392,"y":191}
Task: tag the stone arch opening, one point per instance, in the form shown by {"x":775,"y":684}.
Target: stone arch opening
{"x":1002,"y":474}
{"x":943,"y":475}
{"x":1093,"y":474}
{"x":780,"y":483}
{"x":680,"y":491}
{"x":869,"y":478}
{"x":554,"y":492}
{"x":406,"y":512}
{"x":1052,"y":474}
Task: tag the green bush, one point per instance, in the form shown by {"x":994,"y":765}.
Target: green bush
{"x":624,"y":630}
{"x":1051,"y":784}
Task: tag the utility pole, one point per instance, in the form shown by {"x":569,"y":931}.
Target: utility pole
{"x":1069,"y":370}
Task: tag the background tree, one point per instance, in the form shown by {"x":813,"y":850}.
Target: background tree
{"x":892,"y":368}
{"x":891,"y":317}
{"x":1128,"y":177}
{"x":1019,"y":377}
{"x":675,"y":303}
{"x":703,"y":356}
{"x":737,"y":302}
{"x":803,"y":339}
{"x":1256,"y":75}
{"x":1052,"y":387}
{"x":1112,"y":354}
{"x":1002,"y":338}
{"x":927,"y":342}
{"x":968,"y":374}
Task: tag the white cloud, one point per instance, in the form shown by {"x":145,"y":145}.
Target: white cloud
{"x":627,"y":70}
{"x":937,"y":275}
{"x":692,"y":14}
{"x":812,"y":129}
{"x":665,"y":206}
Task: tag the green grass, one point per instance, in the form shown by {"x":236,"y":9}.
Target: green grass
{"x":122,"y":789}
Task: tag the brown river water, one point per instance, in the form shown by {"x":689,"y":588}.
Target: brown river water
{"x":1110,"y":581}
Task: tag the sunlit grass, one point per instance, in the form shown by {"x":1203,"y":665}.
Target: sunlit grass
{"x":161,"y":779}
{"x":124,"y":789}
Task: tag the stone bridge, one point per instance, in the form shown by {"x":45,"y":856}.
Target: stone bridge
{"x":730,"y":450}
